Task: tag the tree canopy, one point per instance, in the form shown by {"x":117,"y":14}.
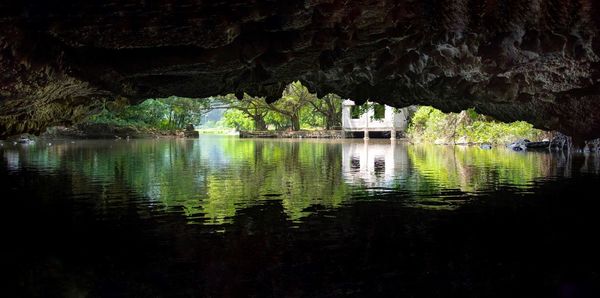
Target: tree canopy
{"x":166,"y":113}
{"x":297,"y":109}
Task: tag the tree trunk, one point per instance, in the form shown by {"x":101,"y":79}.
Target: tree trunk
{"x":330,"y":121}
{"x":259,"y":123}
{"x":295,"y":122}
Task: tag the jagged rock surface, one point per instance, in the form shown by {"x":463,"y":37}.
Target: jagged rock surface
{"x":534,"y":60}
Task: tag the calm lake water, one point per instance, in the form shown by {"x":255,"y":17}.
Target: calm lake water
{"x":221,"y":216}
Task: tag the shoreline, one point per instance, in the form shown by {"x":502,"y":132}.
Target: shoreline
{"x":106,"y":131}
{"x":314,"y":134}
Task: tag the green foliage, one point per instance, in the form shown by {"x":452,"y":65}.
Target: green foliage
{"x":472,"y":114}
{"x":328,"y":110}
{"x":237,"y":119}
{"x":310,"y":119}
{"x":355,"y":112}
{"x":254,"y":107}
{"x":213,"y":178}
{"x":468,"y":169}
{"x":183,"y":111}
{"x":297,"y":108}
{"x":426,"y":124}
{"x":166,"y":113}
{"x":358,"y":110}
{"x":378,"y":111}
{"x":294,"y":98}
{"x":277,"y":121}
{"x":432,"y":125}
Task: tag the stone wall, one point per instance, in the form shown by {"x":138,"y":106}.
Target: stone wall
{"x":317,"y":134}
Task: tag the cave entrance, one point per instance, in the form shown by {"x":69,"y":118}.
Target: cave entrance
{"x":302,"y":114}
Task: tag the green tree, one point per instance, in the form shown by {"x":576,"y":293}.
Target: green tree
{"x":330,"y":107}
{"x":429,"y":125}
{"x":151,"y":112}
{"x":309,"y":118}
{"x":167,"y":113}
{"x":254,"y":107}
{"x":358,"y":110}
{"x":238,"y":119}
{"x":277,"y":120}
{"x":183,"y":111}
{"x":294,"y":98}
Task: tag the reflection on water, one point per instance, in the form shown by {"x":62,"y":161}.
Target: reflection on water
{"x":224,"y":217}
{"x":209,"y":179}
{"x":374,"y":165}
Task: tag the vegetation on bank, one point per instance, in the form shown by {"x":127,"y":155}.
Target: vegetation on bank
{"x":296,"y":109}
{"x":172,"y":113}
{"x":430,"y":125}
{"x":299,"y":109}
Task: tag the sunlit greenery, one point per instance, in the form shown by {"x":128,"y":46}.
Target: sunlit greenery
{"x":297,"y":109}
{"x":358,"y":110}
{"x":166,"y":113}
{"x":473,"y":169}
{"x":249,"y":107}
{"x":432,"y":125}
{"x":211,"y":179}
{"x":237,"y":119}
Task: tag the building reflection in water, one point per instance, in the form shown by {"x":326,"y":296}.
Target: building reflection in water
{"x":374,"y":164}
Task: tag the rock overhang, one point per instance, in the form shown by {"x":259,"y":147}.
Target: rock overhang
{"x":531,"y":60}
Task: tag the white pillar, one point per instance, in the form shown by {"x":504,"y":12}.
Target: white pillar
{"x":366,"y":130}
{"x":393,"y":134}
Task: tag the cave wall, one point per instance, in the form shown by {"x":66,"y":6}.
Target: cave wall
{"x":533,"y":60}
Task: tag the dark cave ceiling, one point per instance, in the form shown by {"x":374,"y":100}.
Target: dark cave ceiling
{"x":533,"y":60}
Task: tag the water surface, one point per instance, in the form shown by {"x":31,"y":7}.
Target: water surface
{"x":221,"y":216}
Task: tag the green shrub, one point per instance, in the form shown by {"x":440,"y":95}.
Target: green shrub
{"x":430,"y":125}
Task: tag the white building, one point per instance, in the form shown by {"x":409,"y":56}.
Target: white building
{"x":381,"y":118}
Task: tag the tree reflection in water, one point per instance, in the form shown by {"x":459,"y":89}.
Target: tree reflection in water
{"x":209,"y":179}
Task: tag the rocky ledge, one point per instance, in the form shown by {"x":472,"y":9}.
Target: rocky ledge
{"x":109,"y":131}
{"x":533,"y":60}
